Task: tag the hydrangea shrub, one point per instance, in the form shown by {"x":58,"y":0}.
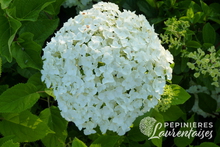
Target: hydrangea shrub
{"x":106,"y":68}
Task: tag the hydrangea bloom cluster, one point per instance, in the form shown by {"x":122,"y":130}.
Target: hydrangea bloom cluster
{"x":206,"y":63}
{"x":81,"y":4}
{"x":106,"y":68}
{"x":195,"y":89}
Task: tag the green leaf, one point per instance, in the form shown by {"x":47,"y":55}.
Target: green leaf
{"x":5,"y":139}
{"x":205,"y":8}
{"x":207,"y":144}
{"x":5,"y":3}
{"x":18,"y":98}
{"x":193,"y":44}
{"x":147,"y":9}
{"x":172,"y":114}
{"x":135,"y":134}
{"x":197,"y":17}
{"x":180,"y":95}
{"x":26,"y":72}
{"x":8,"y":29}
{"x":54,"y":120}
{"x":36,"y":81}
{"x":41,"y":29}
{"x":185,"y":141}
{"x":3,"y":88}
{"x":78,"y":143}
{"x":105,"y":141}
{"x":27,"y":11}
{"x":10,"y":143}
{"x":27,"y":52}
{"x":152,"y":3}
{"x":25,"y":126}
{"x":207,"y":103}
{"x":190,"y":14}
{"x":50,"y":92}
{"x":215,"y":7}
{"x":208,"y":33}
{"x":54,"y":8}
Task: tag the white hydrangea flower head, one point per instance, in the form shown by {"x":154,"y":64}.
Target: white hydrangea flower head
{"x":106,"y":68}
{"x":215,"y":94}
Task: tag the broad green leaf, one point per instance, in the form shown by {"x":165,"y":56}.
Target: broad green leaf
{"x":105,"y":141}
{"x":152,"y":3}
{"x":205,"y":7}
{"x":172,"y":114}
{"x":147,"y":9}
{"x":215,"y":7}
{"x":185,"y":140}
{"x":54,"y":8}
{"x":179,"y":95}
{"x":207,"y":144}
{"x":54,"y":120}
{"x":197,"y":17}
{"x":190,"y":14}
{"x":27,"y":52}
{"x":136,"y":135}
{"x":3,"y":88}
{"x":41,"y":29}
{"x":27,"y":11}
{"x":36,"y":81}
{"x":25,"y":126}
{"x":5,"y":3}
{"x":5,"y":139}
{"x":26,"y":72}
{"x":18,"y":98}
{"x":193,"y":44}
{"x":10,"y":143}
{"x":8,"y":29}
{"x":215,"y":12}
{"x":78,"y":143}
{"x":207,"y":103}
{"x":208,"y":33}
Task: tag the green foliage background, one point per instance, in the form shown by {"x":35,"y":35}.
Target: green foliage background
{"x":29,"y":115}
